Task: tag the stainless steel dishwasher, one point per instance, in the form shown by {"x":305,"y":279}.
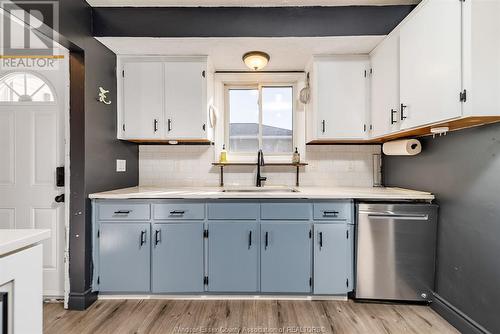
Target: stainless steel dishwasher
{"x":395,"y":251}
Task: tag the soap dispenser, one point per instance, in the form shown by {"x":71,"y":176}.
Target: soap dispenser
{"x":296,"y":157}
{"x":223,"y":154}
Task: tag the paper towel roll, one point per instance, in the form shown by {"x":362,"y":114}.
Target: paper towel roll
{"x":402,"y":147}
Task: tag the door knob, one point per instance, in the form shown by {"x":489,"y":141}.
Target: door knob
{"x":59,"y":198}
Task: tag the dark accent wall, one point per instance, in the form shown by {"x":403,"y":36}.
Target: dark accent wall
{"x":463,"y":170}
{"x":247,"y":21}
{"x":94,"y":147}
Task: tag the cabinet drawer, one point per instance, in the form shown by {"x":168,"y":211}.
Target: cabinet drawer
{"x":333,"y":210}
{"x":233,"y":210}
{"x":176,"y":211}
{"x":125,"y":211}
{"x":289,"y":211}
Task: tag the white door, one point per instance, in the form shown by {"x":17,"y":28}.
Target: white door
{"x":185,"y":99}
{"x":142,"y":100}
{"x":430,"y":65}
{"x":32,"y":145}
{"x":342,"y":96}
{"x":385,"y":87}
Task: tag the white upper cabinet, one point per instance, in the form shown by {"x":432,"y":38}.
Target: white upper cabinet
{"x":385,"y":117}
{"x":142,"y":100}
{"x":481,"y":52}
{"x":430,"y":64}
{"x":164,"y":98}
{"x":339,"y":98}
{"x":185,"y":99}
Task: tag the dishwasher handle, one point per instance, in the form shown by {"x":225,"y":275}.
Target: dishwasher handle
{"x":397,"y":216}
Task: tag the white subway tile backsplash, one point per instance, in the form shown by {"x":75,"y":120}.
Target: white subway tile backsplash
{"x":185,"y":165}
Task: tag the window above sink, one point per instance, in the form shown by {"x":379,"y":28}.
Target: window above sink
{"x":259,"y":117}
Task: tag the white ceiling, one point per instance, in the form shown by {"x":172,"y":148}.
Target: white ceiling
{"x":243,"y":3}
{"x":287,"y":53}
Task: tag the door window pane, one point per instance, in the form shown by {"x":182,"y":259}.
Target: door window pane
{"x":277,"y":119}
{"x":243,"y":120}
{"x":24,"y":87}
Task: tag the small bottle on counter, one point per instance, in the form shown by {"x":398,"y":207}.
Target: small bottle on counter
{"x":296,"y":157}
{"x":223,"y":154}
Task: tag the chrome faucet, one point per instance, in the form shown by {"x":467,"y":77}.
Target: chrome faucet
{"x":260,"y":162}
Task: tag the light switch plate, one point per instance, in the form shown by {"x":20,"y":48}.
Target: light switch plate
{"x":121,"y":165}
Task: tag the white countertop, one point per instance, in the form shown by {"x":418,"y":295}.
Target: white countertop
{"x":13,"y":240}
{"x":368,"y":193}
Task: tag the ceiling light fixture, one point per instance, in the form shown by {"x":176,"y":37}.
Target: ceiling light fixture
{"x":256,"y":60}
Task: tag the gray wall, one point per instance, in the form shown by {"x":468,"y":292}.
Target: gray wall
{"x":463,"y":170}
{"x":94,"y":146}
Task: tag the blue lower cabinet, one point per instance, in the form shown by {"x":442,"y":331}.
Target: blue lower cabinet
{"x":286,"y":257}
{"x":233,"y":256}
{"x":177,"y":258}
{"x":331,"y":259}
{"x":124,"y":257}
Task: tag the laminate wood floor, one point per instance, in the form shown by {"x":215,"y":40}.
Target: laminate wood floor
{"x":234,"y":316}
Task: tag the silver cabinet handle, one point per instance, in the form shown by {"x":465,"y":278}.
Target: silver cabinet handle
{"x":323,"y":126}
{"x":177,"y":212}
{"x":155,"y":125}
{"x":320,"y":240}
{"x":169,"y":125}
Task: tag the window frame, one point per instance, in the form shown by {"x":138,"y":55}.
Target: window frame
{"x":258,"y":86}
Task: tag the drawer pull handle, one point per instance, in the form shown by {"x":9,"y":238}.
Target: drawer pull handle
{"x":123,"y":212}
{"x":320,"y":240}
{"x":330,"y":213}
{"x":249,"y":239}
{"x":266,"y":241}
{"x":143,"y":238}
{"x":157,"y":237}
{"x":177,"y":212}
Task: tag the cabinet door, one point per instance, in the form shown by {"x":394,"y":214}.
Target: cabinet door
{"x":142,"y":100}
{"x":331,"y":259}
{"x":177,"y":263}
{"x":124,"y":251}
{"x":185,"y":99}
{"x":286,"y":257}
{"x":430,"y":64}
{"x":233,"y":256}
{"x":385,"y":103}
{"x":342,"y":97}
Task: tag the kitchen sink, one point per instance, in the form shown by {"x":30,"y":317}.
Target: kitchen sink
{"x":260,"y":189}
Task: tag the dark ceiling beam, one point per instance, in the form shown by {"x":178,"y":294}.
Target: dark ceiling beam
{"x":246,"y":21}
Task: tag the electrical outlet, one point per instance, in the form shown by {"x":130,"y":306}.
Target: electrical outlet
{"x":121,"y":165}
